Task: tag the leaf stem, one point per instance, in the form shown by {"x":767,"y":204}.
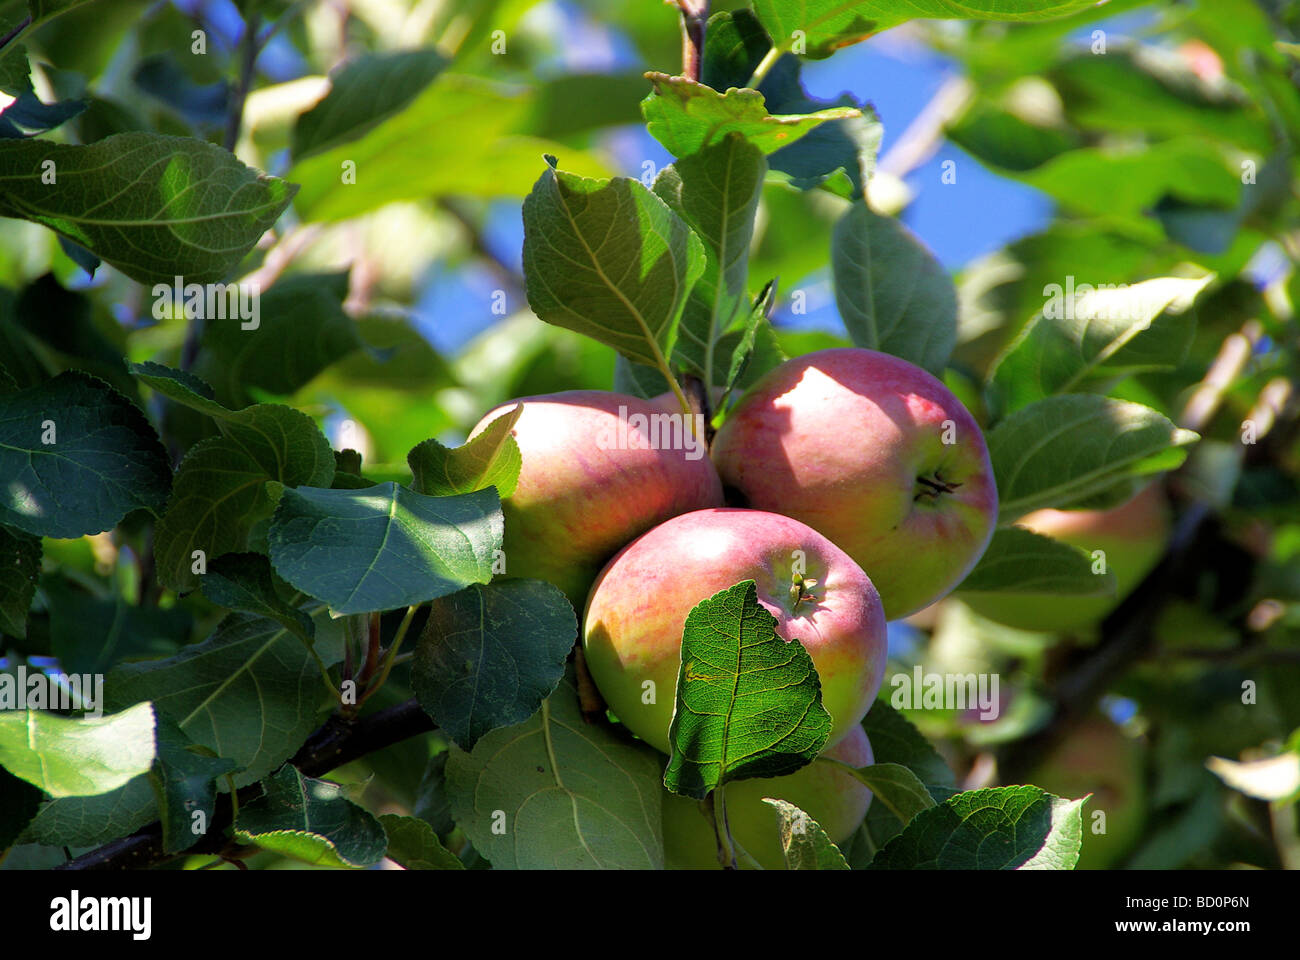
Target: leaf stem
{"x":726,"y":846}
{"x":764,"y":67}
{"x":391,"y":657}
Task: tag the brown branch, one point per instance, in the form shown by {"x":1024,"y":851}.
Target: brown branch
{"x":337,"y":742}
{"x":695,"y":13}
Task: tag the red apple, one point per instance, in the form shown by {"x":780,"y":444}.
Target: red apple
{"x":1132,"y":537}
{"x":593,"y":477}
{"x":632,"y":630}
{"x":877,"y":455}
{"x":837,"y":801}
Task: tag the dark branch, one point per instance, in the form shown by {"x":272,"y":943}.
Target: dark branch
{"x":336,"y":743}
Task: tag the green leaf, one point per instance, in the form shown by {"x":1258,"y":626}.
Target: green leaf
{"x":19,"y":802}
{"x":462,"y":135}
{"x":491,"y":459}
{"x":91,"y":821}
{"x":413,"y":844}
{"x":384,"y":546}
{"x":397,"y":357}
{"x":363,"y":93}
{"x":244,"y":582}
{"x":104,"y":459}
{"x":895,"y":786}
{"x":1064,"y":449}
{"x":568,"y":794}
{"x":755,"y":351}
{"x":804,"y":842}
{"x":183,"y":778}
{"x":77,"y":757}
{"x":748,"y":702}
{"x":1083,"y":342}
{"x":90,"y":633}
{"x":250,"y":692}
{"x":311,"y":820}
{"x":686,"y":116}
{"x":1001,"y":828}
{"x":20,"y":568}
{"x":849,"y":144}
{"x":716,"y":191}
{"x":155,"y":207}
{"x":220,"y":492}
{"x":302,"y":329}
{"x":826,"y":25}
{"x":1022,"y":561}
{"x":472,"y":674}
{"x":893,"y":295}
{"x":895,"y":740}
{"x":609,"y":259}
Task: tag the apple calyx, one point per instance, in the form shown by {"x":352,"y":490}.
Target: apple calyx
{"x":934,"y":487}
{"x":799,"y":587}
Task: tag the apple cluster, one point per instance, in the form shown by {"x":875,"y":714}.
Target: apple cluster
{"x":852,"y":486}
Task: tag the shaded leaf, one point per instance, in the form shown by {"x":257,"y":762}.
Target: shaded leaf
{"x":413,"y":844}
{"x":20,"y":568}
{"x":183,"y":781}
{"x":244,"y":582}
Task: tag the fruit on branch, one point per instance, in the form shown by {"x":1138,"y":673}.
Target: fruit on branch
{"x":1099,"y":758}
{"x":1132,"y":538}
{"x":836,"y":800}
{"x":632,"y":630}
{"x":598,"y":470}
{"x":877,"y":455}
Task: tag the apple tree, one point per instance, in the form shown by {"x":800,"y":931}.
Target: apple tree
{"x":417,"y":448}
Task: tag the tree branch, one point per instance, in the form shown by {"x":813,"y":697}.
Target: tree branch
{"x":695,"y":13}
{"x":337,"y":742}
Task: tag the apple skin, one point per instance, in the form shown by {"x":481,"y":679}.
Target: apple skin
{"x":837,"y":801}
{"x":1098,"y":758}
{"x":579,"y":498}
{"x":1133,"y":536}
{"x":632,"y":630}
{"x":841,"y":440}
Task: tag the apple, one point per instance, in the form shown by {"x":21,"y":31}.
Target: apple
{"x":836,"y":800}
{"x":877,"y":455}
{"x":1098,"y":758}
{"x":1132,"y":536}
{"x":594,"y":476}
{"x":632,"y":630}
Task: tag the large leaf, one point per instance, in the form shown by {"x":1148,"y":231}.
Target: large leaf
{"x":686,"y":116}
{"x":91,"y":821}
{"x":558,"y":792}
{"x":461,"y":135}
{"x":490,"y":655}
{"x":1022,"y":561}
{"x":220,"y":491}
{"x":491,"y":459}
{"x":748,"y":703}
{"x":76,"y":456}
{"x":893,"y":295}
{"x":384,"y":546}
{"x":1102,"y":334}
{"x":1064,"y":449}
{"x":250,"y":692}
{"x":826,"y":25}
{"x":302,"y":329}
{"x":155,"y":207}
{"x":803,"y":841}
{"x":363,"y":93}
{"x":1002,"y":828}
{"x":20,"y":567}
{"x":716,"y":191}
{"x":311,"y":820}
{"x":609,"y":259}
{"x":77,"y":756}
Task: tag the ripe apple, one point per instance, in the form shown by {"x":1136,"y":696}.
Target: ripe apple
{"x":593,"y":477}
{"x":632,"y":631}
{"x":877,"y":455}
{"x":1098,"y":758}
{"x":837,"y":801}
{"x":1133,"y":537}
